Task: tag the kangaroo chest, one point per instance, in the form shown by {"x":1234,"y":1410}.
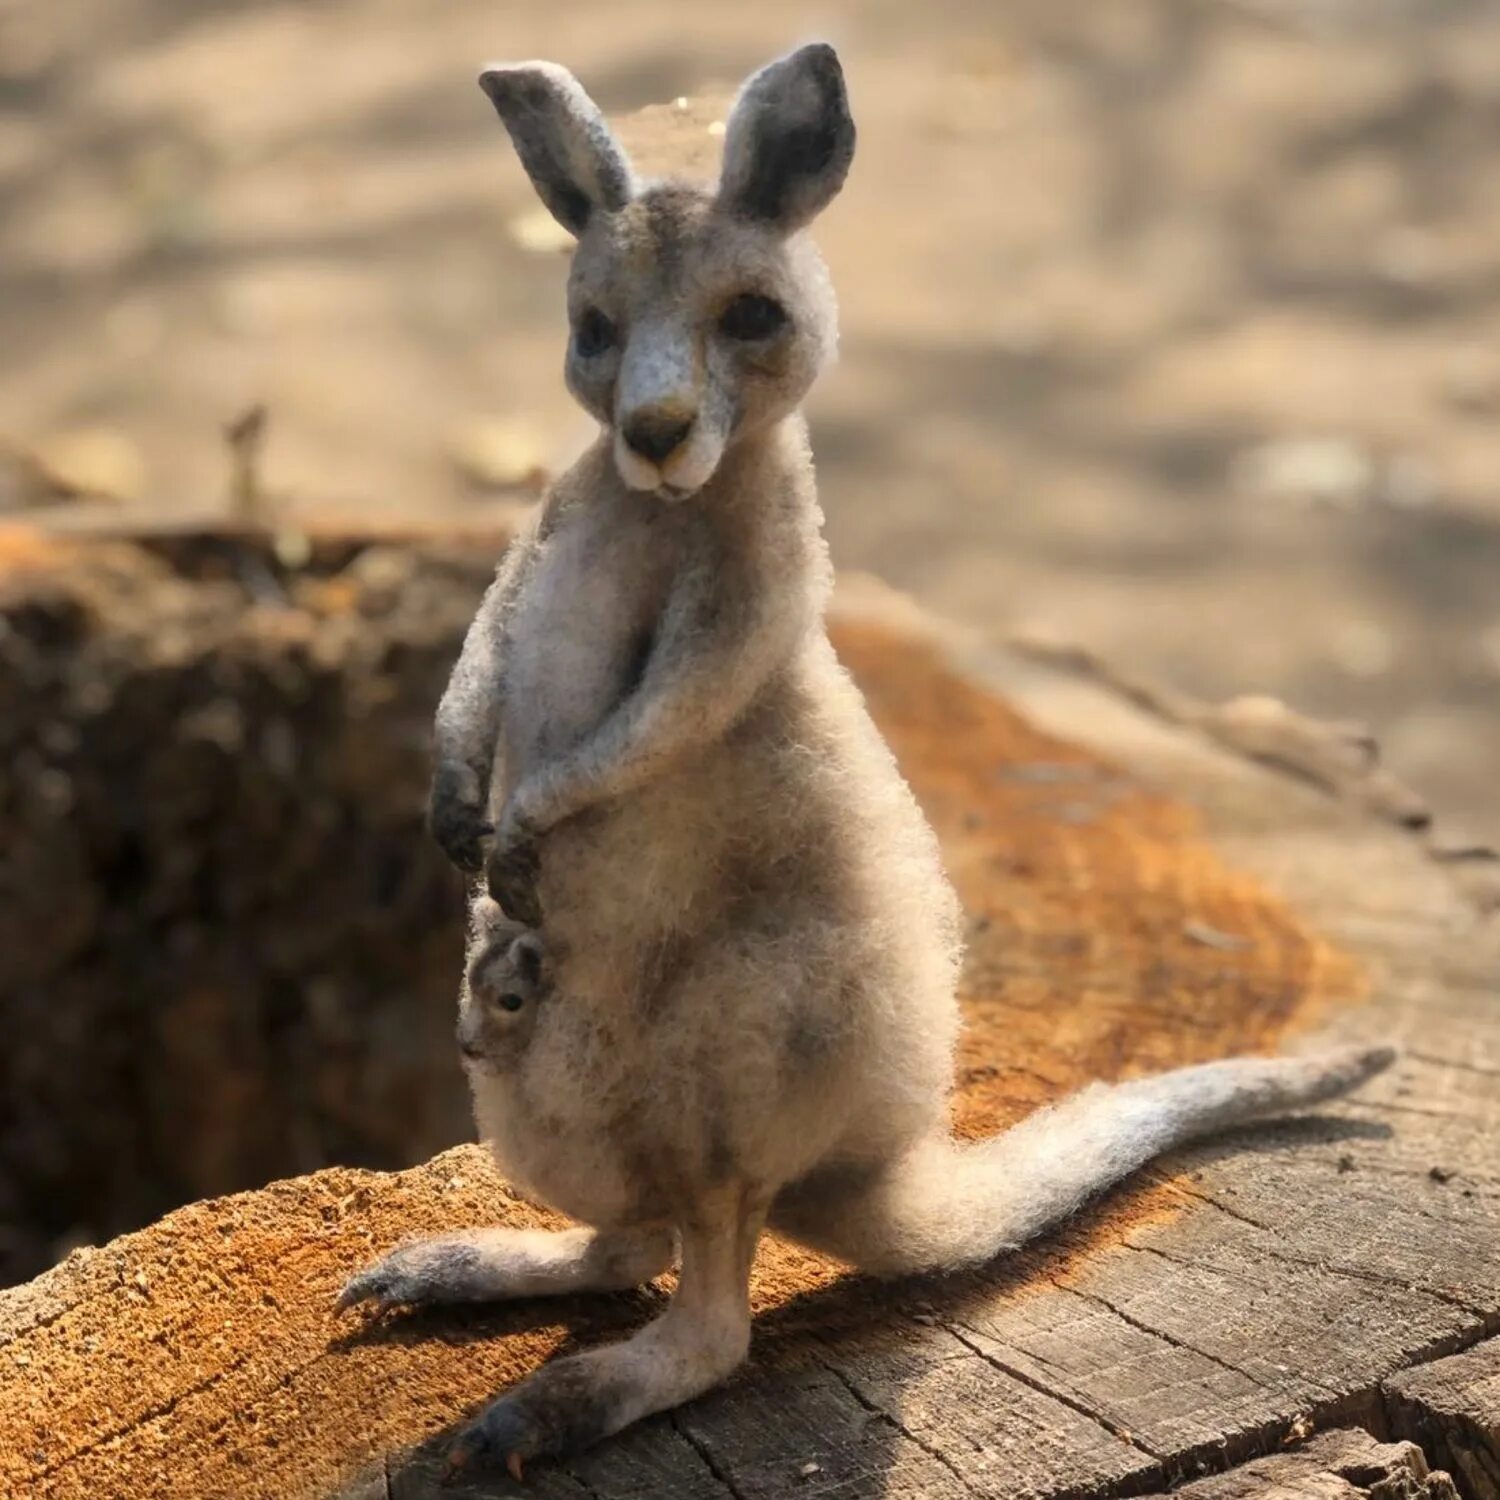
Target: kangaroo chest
{"x":583,"y":628}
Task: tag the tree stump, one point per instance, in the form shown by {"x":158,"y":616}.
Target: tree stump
{"x":1142,"y":891}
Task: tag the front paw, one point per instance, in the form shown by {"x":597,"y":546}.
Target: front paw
{"x":456,"y":816}
{"x":512,"y":875}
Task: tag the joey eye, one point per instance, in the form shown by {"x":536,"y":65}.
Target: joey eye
{"x":594,"y":334}
{"x":511,"y":1002}
{"x":751,"y":317}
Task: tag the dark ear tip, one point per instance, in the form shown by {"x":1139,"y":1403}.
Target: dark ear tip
{"x":821,"y":61}
{"x":820,"y":55}
{"x":503,"y":82}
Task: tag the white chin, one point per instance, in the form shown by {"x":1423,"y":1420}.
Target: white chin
{"x":646,"y":479}
{"x":637,"y":473}
{"x":683,"y":475}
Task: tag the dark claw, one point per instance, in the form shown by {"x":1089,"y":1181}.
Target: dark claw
{"x":460,"y":834}
{"x":458,"y":825}
{"x":512,"y":877}
{"x":503,"y":1433}
{"x":372,"y":1285}
{"x":564,"y":1407}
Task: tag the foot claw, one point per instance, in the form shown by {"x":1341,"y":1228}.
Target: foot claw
{"x":460,"y":1460}
{"x":356,"y":1290}
{"x":499,"y":1430}
{"x":559,"y":1411}
{"x":424,"y":1273}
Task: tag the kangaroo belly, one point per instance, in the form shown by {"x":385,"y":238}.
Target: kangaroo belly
{"x":752,"y":974}
{"x":559,"y":1151}
{"x":598,"y":1122}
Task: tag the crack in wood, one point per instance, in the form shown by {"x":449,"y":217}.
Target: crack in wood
{"x":47,"y":1319}
{"x":1223,"y":1208}
{"x":1073,"y":1403}
{"x":895,"y":1421}
{"x":1366,"y":1406}
{"x":1309,"y":1263}
{"x":151,"y":1414}
{"x":1388,"y":1106}
{"x":1450,"y":1062}
{"x":1162,"y":1334}
{"x":716,"y":1472}
{"x":1424,"y":1174}
{"x":1243,"y":1218}
{"x":1376,"y":1279}
{"x":1286,"y":1257}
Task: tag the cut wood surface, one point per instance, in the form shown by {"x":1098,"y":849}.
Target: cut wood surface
{"x":1452,"y":1408}
{"x":1139,"y":896}
{"x":1345,"y":1465}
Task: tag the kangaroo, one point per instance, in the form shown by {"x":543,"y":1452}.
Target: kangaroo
{"x":651,"y":751}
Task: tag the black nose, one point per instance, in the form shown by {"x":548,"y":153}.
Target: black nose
{"x":655,"y":436}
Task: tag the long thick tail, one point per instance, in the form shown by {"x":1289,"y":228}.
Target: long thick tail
{"x":951,"y":1204}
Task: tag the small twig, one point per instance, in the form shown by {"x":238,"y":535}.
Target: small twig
{"x":1339,"y":757}
{"x":245,"y":436}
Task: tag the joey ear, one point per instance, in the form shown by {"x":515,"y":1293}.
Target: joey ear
{"x":561,"y":136}
{"x":526,"y":955}
{"x":789,"y":140}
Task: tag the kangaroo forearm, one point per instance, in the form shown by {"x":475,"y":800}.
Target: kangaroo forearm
{"x":631,"y":749}
{"x":468,"y":716}
{"x":681,"y":706}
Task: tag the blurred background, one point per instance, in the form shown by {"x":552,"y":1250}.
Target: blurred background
{"x":1172,"y":326}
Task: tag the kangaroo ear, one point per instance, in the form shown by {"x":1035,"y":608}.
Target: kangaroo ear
{"x":789,"y":141}
{"x":561,"y":136}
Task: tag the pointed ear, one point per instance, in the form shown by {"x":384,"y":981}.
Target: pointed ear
{"x":526,"y":955}
{"x":789,"y":140}
{"x":568,"y":150}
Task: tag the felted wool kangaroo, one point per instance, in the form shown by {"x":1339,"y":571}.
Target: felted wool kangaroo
{"x":750,"y":945}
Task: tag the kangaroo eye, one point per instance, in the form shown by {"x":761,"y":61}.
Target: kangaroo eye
{"x":751,"y":317}
{"x":511,"y":1002}
{"x":594,"y":334}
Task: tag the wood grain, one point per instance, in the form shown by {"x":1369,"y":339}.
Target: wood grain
{"x":1248,"y":1294}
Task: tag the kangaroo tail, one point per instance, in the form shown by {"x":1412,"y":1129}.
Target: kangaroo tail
{"x":951,"y":1204}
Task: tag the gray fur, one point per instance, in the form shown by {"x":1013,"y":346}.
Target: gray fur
{"x":751,"y":948}
{"x":562,"y":138}
{"x":789,"y":141}
{"x":486,"y":1265}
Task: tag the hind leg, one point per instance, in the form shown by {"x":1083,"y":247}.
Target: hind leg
{"x":491,"y":1265}
{"x":694,"y":1345}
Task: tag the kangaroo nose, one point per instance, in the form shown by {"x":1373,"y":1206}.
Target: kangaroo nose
{"x":655,"y":436}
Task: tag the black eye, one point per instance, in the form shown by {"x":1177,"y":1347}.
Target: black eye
{"x":594,"y":334}
{"x":751,"y":317}
{"x":511,"y":1002}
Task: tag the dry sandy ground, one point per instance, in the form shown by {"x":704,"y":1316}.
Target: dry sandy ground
{"x":1170,"y":323}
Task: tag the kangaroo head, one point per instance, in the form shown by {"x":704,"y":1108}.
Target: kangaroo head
{"x":697,"y":315}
